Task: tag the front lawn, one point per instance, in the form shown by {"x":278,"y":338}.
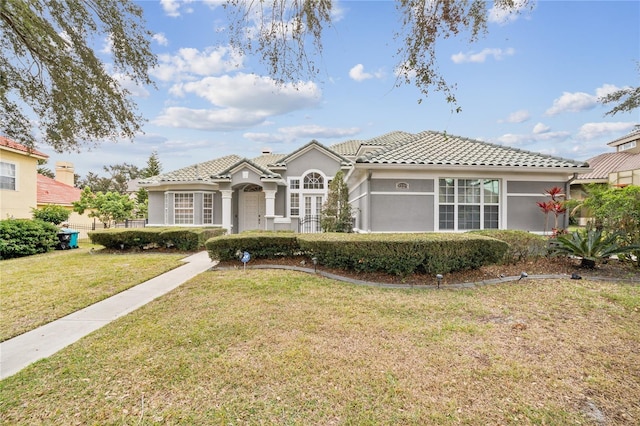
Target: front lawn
{"x":38,"y":289}
{"x":273,"y":347}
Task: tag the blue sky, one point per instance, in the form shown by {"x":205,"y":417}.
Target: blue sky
{"x":532,"y":83}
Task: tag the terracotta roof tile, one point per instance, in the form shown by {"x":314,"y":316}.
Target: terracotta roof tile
{"x":50,"y":191}
{"x":15,"y":146}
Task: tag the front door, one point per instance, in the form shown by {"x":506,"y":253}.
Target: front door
{"x":252,"y":211}
{"x":310,"y":222}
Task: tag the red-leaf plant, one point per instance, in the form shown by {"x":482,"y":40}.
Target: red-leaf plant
{"x":555,"y":206}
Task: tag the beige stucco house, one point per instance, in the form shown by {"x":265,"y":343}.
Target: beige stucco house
{"x":18,"y":179}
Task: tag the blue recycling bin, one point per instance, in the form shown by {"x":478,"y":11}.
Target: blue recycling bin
{"x":67,"y":238}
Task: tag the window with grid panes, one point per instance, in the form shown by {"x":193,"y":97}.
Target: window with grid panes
{"x":465,"y":204}
{"x":7,"y":176}
{"x":207,"y":208}
{"x":183,"y":208}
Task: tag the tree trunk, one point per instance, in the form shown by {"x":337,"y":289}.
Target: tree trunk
{"x":588,"y":263}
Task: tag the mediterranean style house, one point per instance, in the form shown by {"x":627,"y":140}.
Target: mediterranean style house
{"x":398,"y":182}
{"x":18,"y":182}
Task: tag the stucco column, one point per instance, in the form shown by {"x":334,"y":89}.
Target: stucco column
{"x":270,"y":203}
{"x":226,"y":209}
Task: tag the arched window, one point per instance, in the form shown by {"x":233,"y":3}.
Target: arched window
{"x":313,"y":181}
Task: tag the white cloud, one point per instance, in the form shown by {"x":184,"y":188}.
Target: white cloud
{"x":523,"y":139}
{"x":172,"y":7}
{"x":254,"y":93}
{"x":579,"y":101}
{"x":595,"y":130}
{"x":126,"y":82}
{"x":517,"y":117}
{"x":226,"y":119}
{"x":189,"y":63}
{"x":107,"y":47}
{"x":503,"y":16}
{"x":305,"y":132}
{"x":238,"y":102}
{"x":482,"y":56}
{"x":572,"y":102}
{"x":607,"y":89}
{"x":540,"y":128}
{"x":357,"y":73}
{"x":161,"y":39}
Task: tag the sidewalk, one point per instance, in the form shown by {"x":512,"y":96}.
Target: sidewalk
{"x":27,"y":348}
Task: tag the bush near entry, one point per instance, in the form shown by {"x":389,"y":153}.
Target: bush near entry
{"x":25,"y":237}
{"x":523,"y":245}
{"x":398,"y":254}
{"x":187,"y":239}
{"x":261,"y":245}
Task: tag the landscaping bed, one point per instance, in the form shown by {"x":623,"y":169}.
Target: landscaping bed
{"x":614,"y":269}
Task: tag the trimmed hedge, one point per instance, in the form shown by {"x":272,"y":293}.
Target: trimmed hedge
{"x":261,"y":245}
{"x":403,"y":254}
{"x":187,"y":239}
{"x":399,"y":254}
{"x":523,"y":245}
{"x":25,"y":237}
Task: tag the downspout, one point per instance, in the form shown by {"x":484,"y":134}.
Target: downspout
{"x":369,"y":173}
{"x":567,"y":191}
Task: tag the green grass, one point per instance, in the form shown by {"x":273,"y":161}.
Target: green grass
{"x":274,"y":347}
{"x":38,"y":289}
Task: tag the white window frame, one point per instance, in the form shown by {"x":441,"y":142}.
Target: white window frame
{"x":170,"y":204}
{"x":14,"y":177}
{"x":460,"y":201}
{"x":207,"y":209}
{"x":184,"y":215}
{"x":295,"y":186}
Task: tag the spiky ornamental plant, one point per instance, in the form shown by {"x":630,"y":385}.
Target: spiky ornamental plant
{"x":590,"y":245}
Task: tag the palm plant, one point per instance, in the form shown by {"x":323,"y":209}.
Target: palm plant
{"x":590,"y":245}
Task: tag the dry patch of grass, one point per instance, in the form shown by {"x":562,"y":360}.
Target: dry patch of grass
{"x":38,"y":289}
{"x":273,"y":347}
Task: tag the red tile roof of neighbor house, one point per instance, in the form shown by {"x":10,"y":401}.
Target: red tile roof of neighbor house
{"x":15,"y":146}
{"x":50,"y":191}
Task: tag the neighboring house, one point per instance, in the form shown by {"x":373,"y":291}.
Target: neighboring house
{"x":61,"y":192}
{"x":398,"y":182}
{"x":18,"y":182}
{"x":619,"y":168}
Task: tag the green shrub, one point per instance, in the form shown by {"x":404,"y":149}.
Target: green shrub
{"x":261,"y":245}
{"x":51,"y":213}
{"x":523,"y":245}
{"x":590,"y":245}
{"x":187,"y":239}
{"x":25,"y":237}
{"x":398,"y":254}
{"x":403,"y":254}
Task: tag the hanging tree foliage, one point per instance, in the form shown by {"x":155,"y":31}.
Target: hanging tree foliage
{"x":280,"y":32}
{"x":49,"y":70}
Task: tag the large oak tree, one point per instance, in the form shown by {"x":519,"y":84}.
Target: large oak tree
{"x":51,"y":73}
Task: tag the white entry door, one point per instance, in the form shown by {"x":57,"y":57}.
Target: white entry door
{"x":310,"y":222}
{"x":252,"y":211}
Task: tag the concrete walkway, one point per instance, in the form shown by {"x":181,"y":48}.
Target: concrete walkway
{"x":27,"y":348}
